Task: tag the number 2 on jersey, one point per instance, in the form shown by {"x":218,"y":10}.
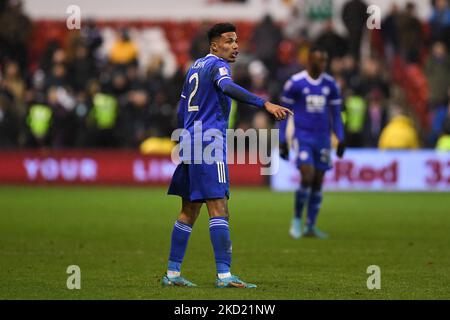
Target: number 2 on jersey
{"x":192,"y":78}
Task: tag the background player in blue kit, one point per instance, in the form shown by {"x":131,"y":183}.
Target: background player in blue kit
{"x":316,"y":100}
{"x":205,"y":104}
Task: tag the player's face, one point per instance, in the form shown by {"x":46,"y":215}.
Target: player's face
{"x":318,"y":61}
{"x":227,"y":46}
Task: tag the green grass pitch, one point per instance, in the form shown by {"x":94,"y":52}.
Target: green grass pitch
{"x":119,"y":237}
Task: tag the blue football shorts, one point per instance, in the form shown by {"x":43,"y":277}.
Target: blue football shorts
{"x":200,"y":182}
{"x":317,"y":154}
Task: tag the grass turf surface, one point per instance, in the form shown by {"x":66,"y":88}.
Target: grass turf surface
{"x":120,"y":238}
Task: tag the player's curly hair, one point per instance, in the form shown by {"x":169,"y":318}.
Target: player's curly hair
{"x":316,"y":47}
{"x":219,"y":28}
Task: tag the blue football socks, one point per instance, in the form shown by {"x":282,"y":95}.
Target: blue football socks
{"x":315,"y":200}
{"x":180,"y":236}
{"x":221,"y":242}
{"x":301,"y":196}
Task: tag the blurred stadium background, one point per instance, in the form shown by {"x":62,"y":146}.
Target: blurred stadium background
{"x":97,"y":106}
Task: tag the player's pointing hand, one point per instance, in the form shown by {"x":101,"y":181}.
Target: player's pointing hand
{"x":279,"y":112}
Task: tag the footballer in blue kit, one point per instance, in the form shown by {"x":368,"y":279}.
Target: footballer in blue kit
{"x":315,"y":98}
{"x":205,"y":106}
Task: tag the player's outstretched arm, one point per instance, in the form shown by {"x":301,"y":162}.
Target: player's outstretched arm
{"x":240,"y":94}
{"x":338,"y":128}
{"x":279,"y":112}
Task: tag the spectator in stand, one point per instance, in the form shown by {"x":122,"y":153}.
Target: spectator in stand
{"x":265,"y":41}
{"x":64,"y":127}
{"x":354,"y":17}
{"x":350,"y":71}
{"x":440,"y":114}
{"x":92,"y":37}
{"x":134,"y":118}
{"x":238,"y":115}
{"x":58,"y":76}
{"x":200,"y":43}
{"x":174,"y":85}
{"x":375,"y":118}
{"x":48,"y":57}
{"x":295,"y":25}
{"x":81,"y":68}
{"x":134,"y":78}
{"x":81,"y":110}
{"x":389,"y":32}
{"x":14,"y":33}
{"x":56,"y":71}
{"x":102,"y":119}
{"x":437,"y":70}
{"x":154,"y":76}
{"x":288,"y":63}
{"x":399,"y":132}
{"x":410,"y":35}
{"x":334,"y":44}
{"x":303,"y":45}
{"x":13,"y":83}
{"x":9,"y":121}
{"x":355,"y":115}
{"x":119,"y":86}
{"x":258,"y":84}
{"x":440,"y":22}
{"x":124,"y":51}
{"x":162,"y":118}
{"x":443,"y":143}
{"x":373,"y":78}
{"x":39,"y":122}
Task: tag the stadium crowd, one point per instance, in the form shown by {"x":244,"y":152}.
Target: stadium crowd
{"x":81,"y":97}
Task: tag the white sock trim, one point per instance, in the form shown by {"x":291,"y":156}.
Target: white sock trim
{"x":173,"y":274}
{"x":224,"y":275}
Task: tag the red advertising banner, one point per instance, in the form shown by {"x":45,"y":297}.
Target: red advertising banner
{"x":376,"y":170}
{"x":93,"y":167}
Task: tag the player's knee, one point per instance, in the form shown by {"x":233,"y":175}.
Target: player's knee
{"x":218,"y":213}
{"x":187,"y":218}
{"x":316,"y":187}
{"x":189,"y":215}
{"x":217,"y":208}
{"x":307,"y":181}
{"x":317,"y":182}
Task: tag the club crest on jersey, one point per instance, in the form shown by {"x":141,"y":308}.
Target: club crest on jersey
{"x":306,"y":91}
{"x":325,"y":91}
{"x":315,"y":103}
{"x":223,"y":71}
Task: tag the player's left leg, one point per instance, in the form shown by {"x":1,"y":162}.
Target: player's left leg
{"x":315,"y":201}
{"x":220,"y":238}
{"x":305,"y":162}
{"x":301,"y":198}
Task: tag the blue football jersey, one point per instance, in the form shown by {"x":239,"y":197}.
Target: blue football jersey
{"x":316,"y":104}
{"x":202,"y":101}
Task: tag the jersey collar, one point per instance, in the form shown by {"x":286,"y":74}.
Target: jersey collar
{"x":213,"y":55}
{"x":313,"y":81}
